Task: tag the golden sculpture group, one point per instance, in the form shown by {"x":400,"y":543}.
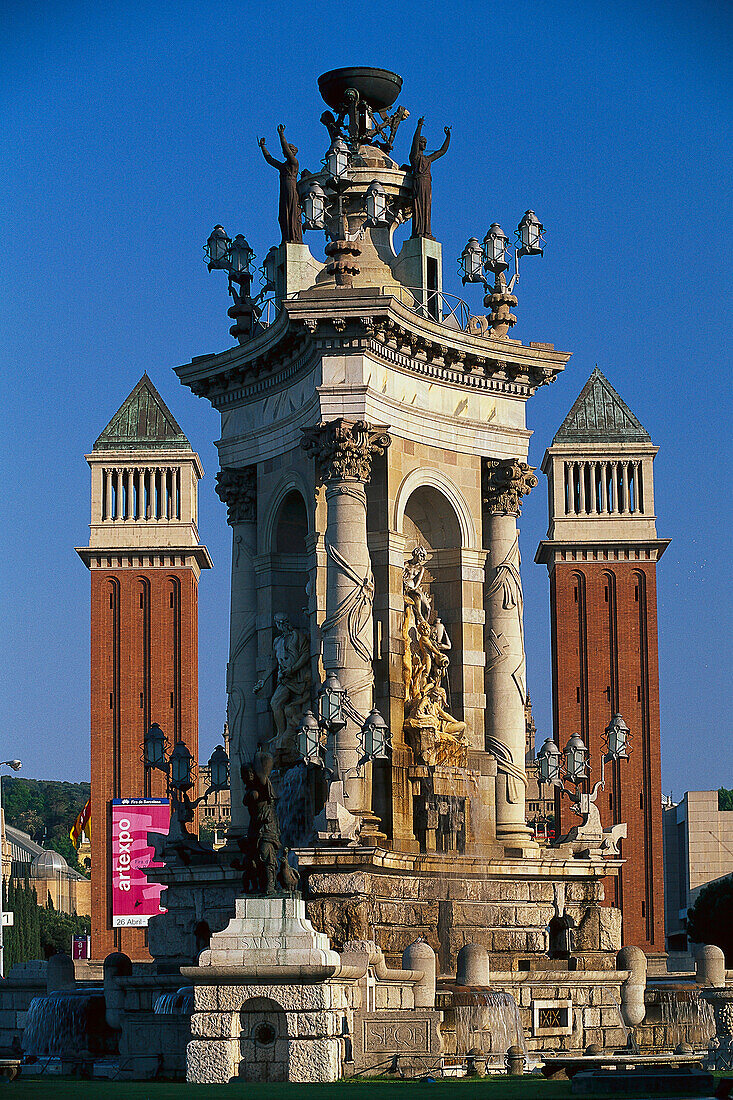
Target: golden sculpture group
{"x":437,"y":737}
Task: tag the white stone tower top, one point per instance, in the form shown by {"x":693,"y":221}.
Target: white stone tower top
{"x":144,"y":485}
{"x":600,"y":473}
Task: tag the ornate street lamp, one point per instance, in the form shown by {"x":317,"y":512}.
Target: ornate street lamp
{"x":375,"y":736}
{"x":376,"y":204}
{"x":617,"y":737}
{"x":495,"y":246}
{"x":576,"y":759}
{"x":309,"y":739}
{"x":314,"y":206}
{"x":549,"y":758}
{"x":219,"y":769}
{"x":180,"y":767}
{"x":331,"y":700}
{"x":472,"y":262}
{"x":269,"y":270}
{"x":529,"y":233}
{"x":155,"y":745}
{"x":337,"y":159}
{"x":240,"y":258}
{"x":217,"y":249}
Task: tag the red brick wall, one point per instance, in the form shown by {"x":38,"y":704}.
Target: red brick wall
{"x":605,"y":660}
{"x":144,"y":669}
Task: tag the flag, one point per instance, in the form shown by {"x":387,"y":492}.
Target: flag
{"x":81,"y":825}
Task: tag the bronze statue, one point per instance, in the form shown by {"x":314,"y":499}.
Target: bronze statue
{"x":263,"y":835}
{"x":422,"y":181}
{"x":335,"y":126}
{"x":288,"y":214}
{"x":391,"y":123}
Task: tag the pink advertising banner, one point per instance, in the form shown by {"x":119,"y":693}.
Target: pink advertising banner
{"x":134,"y":898}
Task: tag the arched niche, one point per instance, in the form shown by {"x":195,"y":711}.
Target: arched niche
{"x":430,"y":519}
{"x":263,"y":1041}
{"x":289,"y":556}
{"x":445,"y":495}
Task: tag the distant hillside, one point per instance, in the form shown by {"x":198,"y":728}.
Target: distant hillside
{"x":46,"y":809}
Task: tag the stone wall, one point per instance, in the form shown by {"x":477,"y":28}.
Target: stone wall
{"x":455,"y":901}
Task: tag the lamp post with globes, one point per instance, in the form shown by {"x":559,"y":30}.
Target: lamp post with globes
{"x":477,"y":260}
{"x":15,"y":765}
{"x":235,"y":257}
{"x":178,"y":768}
{"x":316,"y":733}
{"x":576,"y":769}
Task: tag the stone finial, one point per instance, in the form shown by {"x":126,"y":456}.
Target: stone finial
{"x":501,"y":302}
{"x":59,"y":973}
{"x":506,"y":481}
{"x":710,"y":966}
{"x":633,"y":1009}
{"x":472,"y":965}
{"x":343,"y":449}
{"x":420,"y":956}
{"x":237,"y":488}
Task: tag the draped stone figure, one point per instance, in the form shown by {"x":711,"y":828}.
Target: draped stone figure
{"x":288,"y":214}
{"x":292,"y":690}
{"x":422,"y":180}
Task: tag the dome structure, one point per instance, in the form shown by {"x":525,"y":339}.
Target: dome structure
{"x":49,"y":863}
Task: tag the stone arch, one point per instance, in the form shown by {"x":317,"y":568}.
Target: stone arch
{"x":263,"y":1040}
{"x":444,"y":488}
{"x":291,"y":482}
{"x":432,"y":513}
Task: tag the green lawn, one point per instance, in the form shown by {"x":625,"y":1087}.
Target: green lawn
{"x":490,"y":1088}
{"x":60,"y":1088}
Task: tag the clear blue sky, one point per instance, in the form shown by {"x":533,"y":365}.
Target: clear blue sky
{"x":131,"y":129}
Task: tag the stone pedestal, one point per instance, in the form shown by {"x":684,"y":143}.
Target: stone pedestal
{"x":264,"y":1006}
{"x":268,"y":933}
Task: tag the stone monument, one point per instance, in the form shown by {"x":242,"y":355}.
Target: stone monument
{"x":374,"y":461}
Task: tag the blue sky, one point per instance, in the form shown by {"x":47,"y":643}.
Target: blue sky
{"x":131,"y":129}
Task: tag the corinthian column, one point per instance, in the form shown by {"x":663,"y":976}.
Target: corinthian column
{"x":238,"y":489}
{"x":343,"y":451}
{"x":505,"y":483}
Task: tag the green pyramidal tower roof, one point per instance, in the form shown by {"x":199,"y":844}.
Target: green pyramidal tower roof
{"x":600,"y":416}
{"x":142,"y":422}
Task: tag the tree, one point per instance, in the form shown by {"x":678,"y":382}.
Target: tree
{"x":56,"y":930}
{"x":725,"y":798}
{"x":711,"y":918}
{"x":22,"y":939}
{"x":46,"y":810}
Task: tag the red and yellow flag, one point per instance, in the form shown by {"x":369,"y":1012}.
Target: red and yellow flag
{"x":81,"y":825}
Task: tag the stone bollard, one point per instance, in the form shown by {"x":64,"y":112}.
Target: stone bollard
{"x":420,"y":956}
{"x":515,"y":1061}
{"x":476,"y":1063}
{"x":633,"y":1009}
{"x":709,"y":966}
{"x":473,"y":965}
{"x":116,"y":965}
{"x":60,"y":973}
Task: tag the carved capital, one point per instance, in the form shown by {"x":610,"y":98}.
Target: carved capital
{"x":237,"y":488}
{"x":506,"y":481}
{"x":343,"y":449}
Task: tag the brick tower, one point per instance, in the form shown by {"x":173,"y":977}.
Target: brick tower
{"x":601,"y":552}
{"x":145,"y":559}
